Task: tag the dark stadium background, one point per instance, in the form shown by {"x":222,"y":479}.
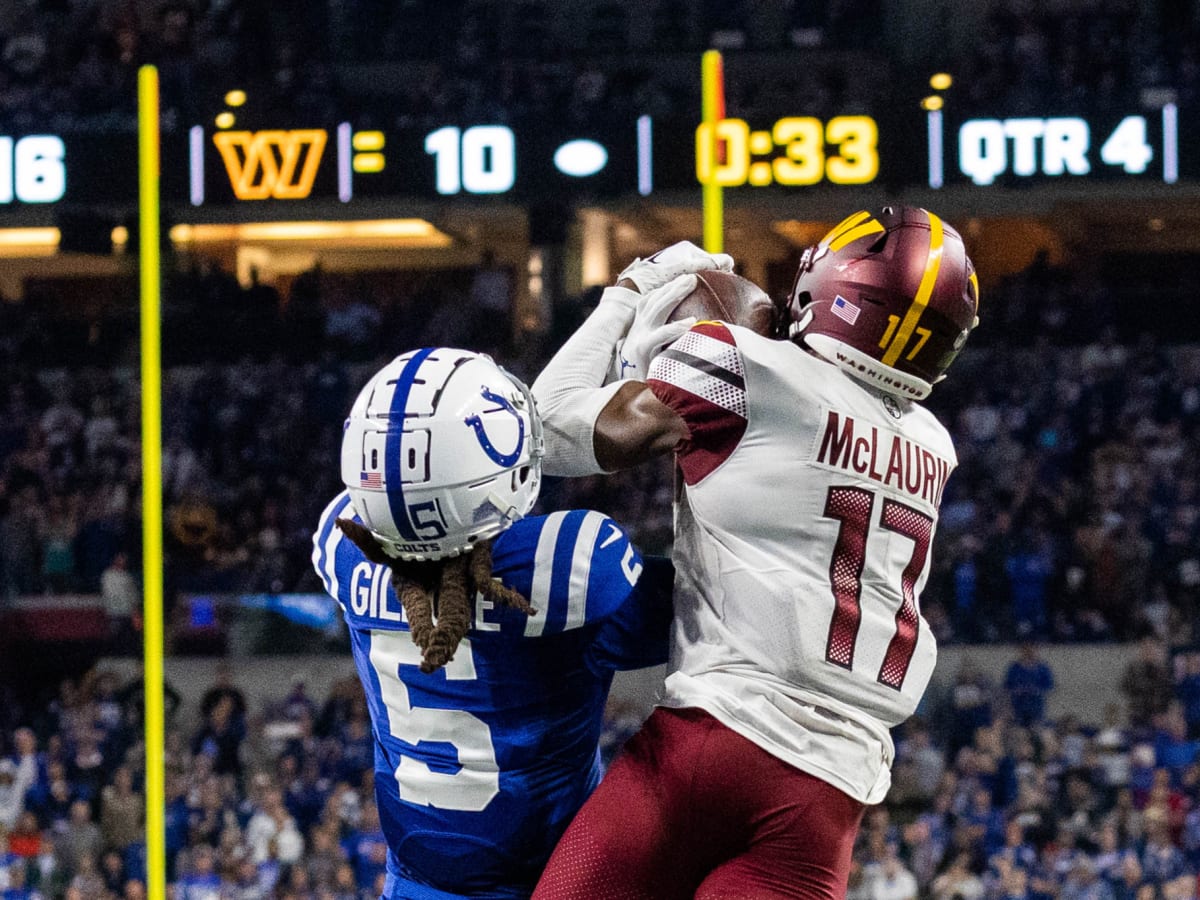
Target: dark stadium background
{"x":1069,"y":543}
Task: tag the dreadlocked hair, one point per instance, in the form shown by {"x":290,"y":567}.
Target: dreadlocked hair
{"x":443,"y":586}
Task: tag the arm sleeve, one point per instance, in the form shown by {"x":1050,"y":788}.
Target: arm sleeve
{"x":570,"y":392}
{"x":637,"y":634}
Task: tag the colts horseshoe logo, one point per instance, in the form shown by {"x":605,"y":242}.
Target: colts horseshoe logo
{"x":500,"y":459}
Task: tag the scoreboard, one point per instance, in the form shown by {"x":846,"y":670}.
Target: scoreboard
{"x":204,"y":166}
{"x":1121,"y":145}
{"x":468,"y":159}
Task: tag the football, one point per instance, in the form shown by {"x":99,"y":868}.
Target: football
{"x":727,"y":297}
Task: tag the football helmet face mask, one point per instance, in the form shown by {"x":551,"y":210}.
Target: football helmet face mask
{"x":890,"y":297}
{"x":442,"y":449}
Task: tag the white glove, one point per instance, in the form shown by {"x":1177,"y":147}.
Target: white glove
{"x":678,"y":259}
{"x":650,"y":332}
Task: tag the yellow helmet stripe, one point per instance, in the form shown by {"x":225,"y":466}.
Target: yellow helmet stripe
{"x":873,"y":226}
{"x":843,"y":226}
{"x":849,"y":222}
{"x":933,"y":263}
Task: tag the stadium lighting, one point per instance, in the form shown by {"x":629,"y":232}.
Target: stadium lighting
{"x":28,"y":241}
{"x":413,"y":233}
{"x":403,"y":232}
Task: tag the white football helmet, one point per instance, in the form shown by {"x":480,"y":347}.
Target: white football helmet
{"x":442,"y":449}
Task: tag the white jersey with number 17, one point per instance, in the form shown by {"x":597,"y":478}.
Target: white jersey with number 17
{"x":803,"y":530}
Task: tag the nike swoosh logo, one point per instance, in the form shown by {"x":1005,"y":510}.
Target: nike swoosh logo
{"x":612,"y":535}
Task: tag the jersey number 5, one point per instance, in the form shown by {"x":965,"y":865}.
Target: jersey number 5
{"x":477,"y":780}
{"x":852,"y":506}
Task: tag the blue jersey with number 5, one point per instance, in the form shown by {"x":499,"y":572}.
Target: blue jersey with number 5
{"x":480,"y":766}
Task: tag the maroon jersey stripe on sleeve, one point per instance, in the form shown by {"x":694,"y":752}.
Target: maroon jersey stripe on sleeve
{"x":702,"y":377}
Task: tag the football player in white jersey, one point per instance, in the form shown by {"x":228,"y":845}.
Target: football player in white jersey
{"x":810,"y":485}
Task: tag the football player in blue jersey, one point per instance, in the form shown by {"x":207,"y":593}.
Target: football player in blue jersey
{"x":486,"y":640}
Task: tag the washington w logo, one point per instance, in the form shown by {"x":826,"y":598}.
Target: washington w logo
{"x":266,"y":164}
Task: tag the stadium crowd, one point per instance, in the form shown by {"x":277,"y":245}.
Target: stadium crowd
{"x":1074,"y":514}
{"x":70,"y":66}
{"x":990,"y":798}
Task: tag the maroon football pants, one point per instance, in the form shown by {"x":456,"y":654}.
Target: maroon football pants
{"x":692,"y":809}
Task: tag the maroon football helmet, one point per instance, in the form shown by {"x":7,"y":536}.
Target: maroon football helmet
{"x":889,"y":296}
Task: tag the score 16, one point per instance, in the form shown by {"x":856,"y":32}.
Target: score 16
{"x":797,"y":151}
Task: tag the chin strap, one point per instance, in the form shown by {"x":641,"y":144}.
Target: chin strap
{"x":508,"y":512}
{"x":797,"y":327}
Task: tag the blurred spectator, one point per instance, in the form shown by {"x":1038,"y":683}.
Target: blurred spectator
{"x":122,"y":600}
{"x":87,"y":881}
{"x":18,"y":886}
{"x":200,"y":881}
{"x":366,"y":847}
{"x":297,"y":704}
{"x":1187,"y":689}
{"x":324,"y":856}
{"x":971,"y":705}
{"x":490,"y":301}
{"x":1030,"y":565}
{"x":30,"y":764}
{"x":1084,"y":884}
{"x":306,"y":792}
{"x":59,"y":528}
{"x":1146,"y":683}
{"x":352,"y":324}
{"x":958,"y":880}
{"x":121,"y":811}
{"x":112,"y":871}
{"x":81,"y":843}
{"x":222,"y":689}
{"x":1028,"y":681}
{"x":221,"y":738}
{"x":14,"y":783}
{"x":1161,"y":860}
{"x":25,"y":840}
{"x":271,"y":832}
{"x":890,"y":880}
{"x":927,"y":761}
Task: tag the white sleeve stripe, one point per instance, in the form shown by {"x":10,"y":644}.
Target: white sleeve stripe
{"x":325,"y":543}
{"x":581,"y":569}
{"x":543,"y":573}
{"x":719,"y":353}
{"x":715,"y":390}
{"x":331,"y":579}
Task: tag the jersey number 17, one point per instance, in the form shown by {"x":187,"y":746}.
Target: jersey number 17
{"x":852,"y":507}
